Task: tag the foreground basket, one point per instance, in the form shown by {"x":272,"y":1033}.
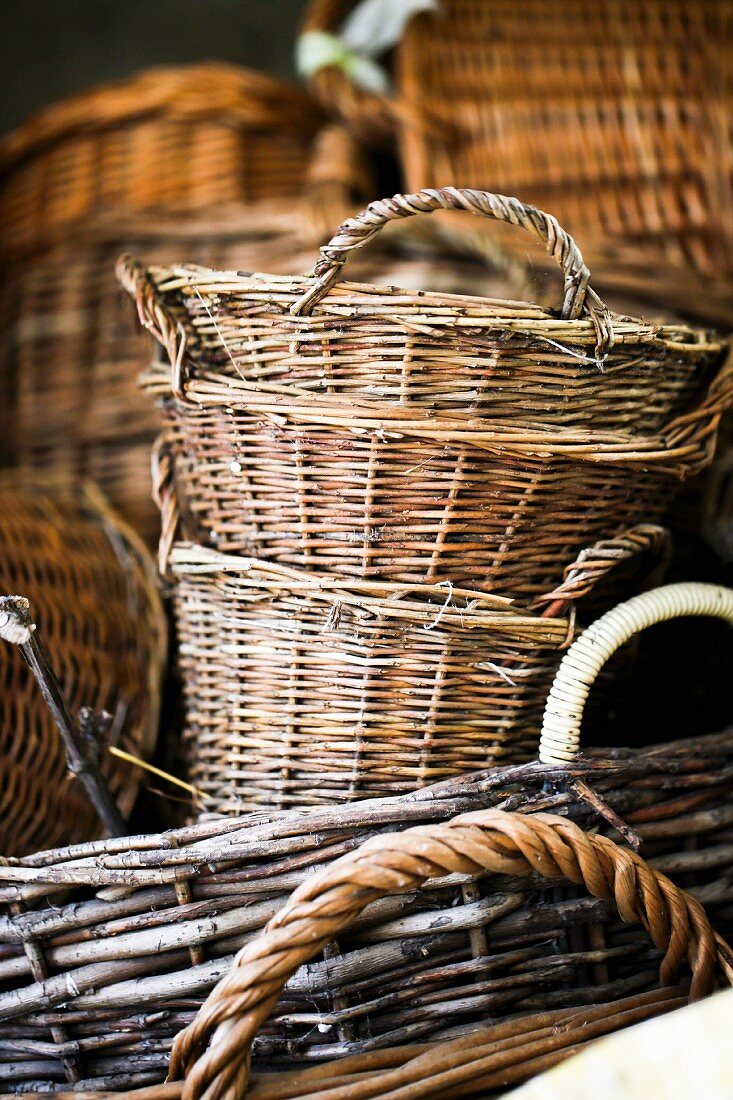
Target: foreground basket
{"x":419,"y":437}
{"x":93,"y":592}
{"x":96,"y":988}
{"x":178,"y":139}
{"x":304,"y":688}
{"x":609,"y":115}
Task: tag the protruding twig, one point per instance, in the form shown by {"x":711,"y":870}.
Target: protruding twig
{"x":18,"y":628}
{"x":607,"y":812}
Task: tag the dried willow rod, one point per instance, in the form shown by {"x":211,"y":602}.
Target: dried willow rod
{"x":18,"y":628}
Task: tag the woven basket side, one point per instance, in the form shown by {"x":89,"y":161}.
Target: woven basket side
{"x":216,"y":1048}
{"x":95,"y":601}
{"x":179,"y":904}
{"x":178,"y":139}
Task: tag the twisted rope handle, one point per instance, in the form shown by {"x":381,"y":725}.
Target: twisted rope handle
{"x":596,"y":561}
{"x":560,"y":245}
{"x":560,"y":736}
{"x":214,"y":1052}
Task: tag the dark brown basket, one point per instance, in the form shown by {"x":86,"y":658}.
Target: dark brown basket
{"x":109,"y":950}
{"x":419,"y":437}
{"x":614,"y":116}
{"x":307,"y":689}
{"x":93,"y":591}
{"x":178,"y":139}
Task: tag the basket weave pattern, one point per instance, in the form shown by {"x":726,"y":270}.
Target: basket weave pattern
{"x":128,"y":967}
{"x":611,"y":115}
{"x":422,"y":437}
{"x":180,"y":139}
{"x":309,"y":689}
{"x":93,"y":591}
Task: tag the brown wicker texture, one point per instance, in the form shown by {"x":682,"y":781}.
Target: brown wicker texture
{"x":479,"y":1063}
{"x":615,"y":115}
{"x":119,"y":972}
{"x":303,"y":689}
{"x":178,"y":139}
{"x":93,"y":594}
{"x":421,"y":437}
{"x":72,"y":351}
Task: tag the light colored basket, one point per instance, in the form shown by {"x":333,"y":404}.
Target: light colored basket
{"x":560,"y":736}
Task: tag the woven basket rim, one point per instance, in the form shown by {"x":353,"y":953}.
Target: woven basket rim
{"x":191,"y":844}
{"x":419,"y":602}
{"x":223,"y":90}
{"x":280,"y":288}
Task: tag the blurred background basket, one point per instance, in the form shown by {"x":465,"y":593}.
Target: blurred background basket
{"x":421,"y":437}
{"x":304,"y":688}
{"x":92,"y":588}
{"x":177,"y":158}
{"x":133,"y":934}
{"x":180,"y":139}
{"x":613,"y":116}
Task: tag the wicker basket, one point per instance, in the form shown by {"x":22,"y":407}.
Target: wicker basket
{"x":96,"y":987}
{"x":178,"y":139}
{"x":72,"y":353}
{"x":92,"y":589}
{"x":305,"y":689}
{"x":420,"y":437}
{"x":612,"y":115}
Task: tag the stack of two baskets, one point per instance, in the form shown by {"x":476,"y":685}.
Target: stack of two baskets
{"x":380,"y":506}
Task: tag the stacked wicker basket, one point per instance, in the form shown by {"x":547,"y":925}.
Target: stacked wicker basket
{"x":390,"y":501}
{"x":386,"y":511}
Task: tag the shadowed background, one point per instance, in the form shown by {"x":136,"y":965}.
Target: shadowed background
{"x":52,"y":48}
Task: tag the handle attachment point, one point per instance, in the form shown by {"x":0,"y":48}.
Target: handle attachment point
{"x":357,"y":231}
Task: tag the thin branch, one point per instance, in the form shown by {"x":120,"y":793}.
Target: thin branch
{"x":18,"y":628}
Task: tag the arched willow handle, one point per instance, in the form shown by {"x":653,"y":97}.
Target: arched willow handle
{"x":560,"y":245}
{"x":213,"y":1053}
{"x":560,"y":737}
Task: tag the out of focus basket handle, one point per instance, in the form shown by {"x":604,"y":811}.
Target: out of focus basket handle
{"x":560,"y":737}
{"x":371,"y":116}
{"x":560,"y":245}
{"x":213,"y":1053}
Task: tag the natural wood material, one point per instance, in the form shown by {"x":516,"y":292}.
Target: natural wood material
{"x":17,"y":628}
{"x":420,"y":437}
{"x":178,"y":139}
{"x":304,"y":688}
{"x":72,"y":350}
{"x":135,"y":932}
{"x":612,"y":115}
{"x":95,"y":600}
{"x":213,"y":1054}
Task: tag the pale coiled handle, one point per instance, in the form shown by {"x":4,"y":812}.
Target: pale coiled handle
{"x":560,"y":737}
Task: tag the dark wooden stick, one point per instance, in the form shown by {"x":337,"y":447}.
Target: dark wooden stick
{"x":18,"y":628}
